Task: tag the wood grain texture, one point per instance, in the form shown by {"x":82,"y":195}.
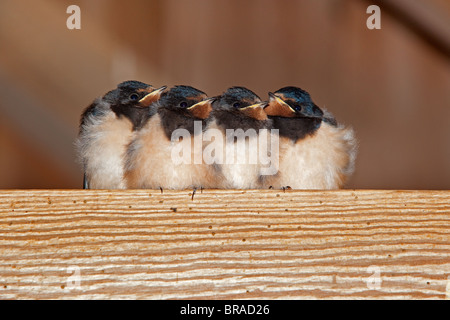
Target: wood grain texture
{"x":224,"y":244}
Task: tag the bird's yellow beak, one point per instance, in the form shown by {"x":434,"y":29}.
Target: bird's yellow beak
{"x":277,"y":107}
{"x":202,"y":109}
{"x":255,"y":111}
{"x":152,"y":97}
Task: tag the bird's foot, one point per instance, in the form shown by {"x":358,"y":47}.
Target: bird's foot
{"x":194,"y":191}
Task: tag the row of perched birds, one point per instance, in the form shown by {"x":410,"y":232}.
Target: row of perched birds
{"x":126,"y":140}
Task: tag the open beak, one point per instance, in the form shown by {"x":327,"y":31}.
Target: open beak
{"x":256,"y":111}
{"x":202,"y":109}
{"x":277,"y":107}
{"x":152,"y":97}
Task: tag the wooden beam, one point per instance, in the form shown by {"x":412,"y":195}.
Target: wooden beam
{"x":224,"y":244}
{"x":430,"y":20}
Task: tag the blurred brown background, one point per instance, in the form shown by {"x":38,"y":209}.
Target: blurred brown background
{"x":392,"y":85}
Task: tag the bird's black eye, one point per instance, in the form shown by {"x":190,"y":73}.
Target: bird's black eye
{"x":236,"y":105}
{"x":134,"y":96}
{"x":183,"y":104}
{"x":298,"y":108}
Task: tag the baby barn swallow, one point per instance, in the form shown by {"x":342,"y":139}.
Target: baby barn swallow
{"x":152,"y":160}
{"x":107,"y":127}
{"x":315,"y":151}
{"x":239,"y":116}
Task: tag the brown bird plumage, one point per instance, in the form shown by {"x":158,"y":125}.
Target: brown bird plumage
{"x":107,"y":127}
{"x":153,"y":157}
{"x":315,"y":151}
{"x":241,"y":110}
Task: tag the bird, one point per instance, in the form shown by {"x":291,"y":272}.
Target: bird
{"x":316,"y":152}
{"x":239,"y":120}
{"x":106,"y":128}
{"x":166,"y":153}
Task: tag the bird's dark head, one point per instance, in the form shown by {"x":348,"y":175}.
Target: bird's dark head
{"x":130,"y":100}
{"x":292,"y":102}
{"x":187,"y":101}
{"x":133,"y":94}
{"x":241,"y":101}
{"x":182,"y":107}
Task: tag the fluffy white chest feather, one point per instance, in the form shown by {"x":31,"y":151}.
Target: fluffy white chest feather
{"x":104,"y":143}
{"x":239,"y":160}
{"x":154,"y":161}
{"x":321,"y":161}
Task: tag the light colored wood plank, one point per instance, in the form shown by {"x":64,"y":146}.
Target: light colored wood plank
{"x":224,"y":244}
